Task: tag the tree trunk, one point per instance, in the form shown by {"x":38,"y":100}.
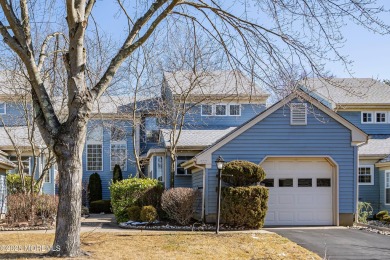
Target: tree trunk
{"x":69,"y":160}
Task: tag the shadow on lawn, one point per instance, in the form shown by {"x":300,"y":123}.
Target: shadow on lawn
{"x":16,"y":255}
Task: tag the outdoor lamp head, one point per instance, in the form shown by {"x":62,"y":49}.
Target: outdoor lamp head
{"x":220,"y":161}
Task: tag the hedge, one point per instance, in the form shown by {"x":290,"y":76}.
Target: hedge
{"x":244,"y":206}
{"x":242,"y":173}
{"x":134,"y":191}
{"x":99,"y":206}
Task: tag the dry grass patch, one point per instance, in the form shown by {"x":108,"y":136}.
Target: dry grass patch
{"x":152,"y":245}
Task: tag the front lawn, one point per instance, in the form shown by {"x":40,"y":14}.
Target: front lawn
{"x":152,"y":245}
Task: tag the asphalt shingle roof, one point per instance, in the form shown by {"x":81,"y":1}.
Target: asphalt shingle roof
{"x":19,"y":135}
{"x":376,"y":146}
{"x":212,"y":83}
{"x":349,"y":90}
{"x":195,"y":138}
{"x":5,"y":161}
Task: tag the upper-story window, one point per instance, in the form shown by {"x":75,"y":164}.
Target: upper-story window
{"x":221,"y":110}
{"x":374,"y":117}
{"x":380,"y":117}
{"x":207,"y":110}
{"x":118,"y":148}
{"x":151,"y":130}
{"x":3,"y":109}
{"x":298,"y":114}
{"x":366,"y":117}
{"x":95,"y":149}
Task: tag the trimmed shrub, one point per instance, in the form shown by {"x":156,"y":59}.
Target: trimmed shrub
{"x":244,"y":206}
{"x":94,"y":187}
{"x":178,"y":203}
{"x":134,"y":213}
{"x":148,"y":214}
{"x":242,"y":173}
{"x":117,"y":174}
{"x":386,"y":218}
{"x":152,"y":197}
{"x":381,"y":214}
{"x":99,"y":206}
{"x":84,"y":211}
{"x":129,"y":192}
{"x":15,"y":185}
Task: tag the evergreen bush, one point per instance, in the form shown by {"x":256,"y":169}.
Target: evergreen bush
{"x":148,"y":214}
{"x":117,"y":174}
{"x":134,"y":212}
{"x":242,"y":173}
{"x":94,"y":187}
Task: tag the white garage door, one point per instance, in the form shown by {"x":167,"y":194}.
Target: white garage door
{"x":300,"y":191}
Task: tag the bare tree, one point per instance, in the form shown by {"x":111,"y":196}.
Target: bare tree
{"x":305,"y":31}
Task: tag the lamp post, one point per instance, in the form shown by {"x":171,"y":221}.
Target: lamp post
{"x":219,"y":162}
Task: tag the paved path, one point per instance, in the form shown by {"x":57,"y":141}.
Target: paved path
{"x":339,"y":243}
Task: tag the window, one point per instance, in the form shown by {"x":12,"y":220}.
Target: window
{"x":118,"y":133}
{"x":159,"y":168}
{"x":268,"y":182}
{"x":220,"y":110}
{"x":26,"y":164}
{"x":323,"y":182}
{"x":152,"y":136}
{"x":305,"y":183}
{"x":298,"y":114}
{"x":3,"y":109}
{"x":119,"y":155}
{"x":387,"y":187}
{"x":207,"y":110}
{"x":179,"y":169}
{"x":234,"y":110}
{"x":380,"y":117}
{"x":95,"y":134}
{"x":285,"y":182}
{"x":94,"y":157}
{"x":366,"y":175}
{"x":366,"y":117}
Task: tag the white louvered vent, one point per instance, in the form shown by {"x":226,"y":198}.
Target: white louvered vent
{"x":298,"y":114}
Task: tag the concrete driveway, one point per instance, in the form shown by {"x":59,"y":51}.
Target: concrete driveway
{"x":339,"y":243}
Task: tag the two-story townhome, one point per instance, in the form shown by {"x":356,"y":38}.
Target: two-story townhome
{"x":366,"y":104}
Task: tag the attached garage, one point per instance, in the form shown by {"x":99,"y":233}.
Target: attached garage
{"x":302,"y":191}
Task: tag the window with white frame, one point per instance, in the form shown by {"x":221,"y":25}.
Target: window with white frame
{"x":94,"y":157}
{"x":366,"y":175}
{"x":298,"y":114}
{"x":25,"y":164}
{"x":119,"y":155}
{"x":220,"y":110}
{"x":367,"y":117}
{"x":95,"y":134}
{"x":387,"y":187}
{"x":159,"y":168}
{"x":47,"y":178}
{"x":118,"y":133}
{"x":3,"y":109}
{"x":380,"y":117}
{"x":179,"y":169}
{"x":207,"y":110}
{"x":234,"y":110}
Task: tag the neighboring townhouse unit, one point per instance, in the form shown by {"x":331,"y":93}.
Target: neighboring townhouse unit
{"x":5,"y":165}
{"x":366,"y":104}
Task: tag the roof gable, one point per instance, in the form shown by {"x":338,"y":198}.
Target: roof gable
{"x":358,"y":136}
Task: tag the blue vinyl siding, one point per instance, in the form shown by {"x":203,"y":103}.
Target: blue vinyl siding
{"x":275,"y":136}
{"x":106,"y":173}
{"x":372,"y":129}
{"x":49,"y":187}
{"x":195,"y":119}
{"x":14,"y":115}
{"x":382,"y":204}
{"x":197,"y":183}
{"x":183,"y":181}
{"x":370,"y":193}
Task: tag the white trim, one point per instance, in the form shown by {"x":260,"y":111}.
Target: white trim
{"x":381,"y":112}
{"x":123,"y":142}
{"x":367,"y":112}
{"x":292,"y":119}
{"x":357,"y":135}
{"x":239,"y":109}
{"x":335,"y":178}
{"x":221,"y":104}
{"x":371,"y":174}
{"x":201,"y":109}
{"x":86,"y":156}
{"x":5,"y":108}
{"x":386,"y":186}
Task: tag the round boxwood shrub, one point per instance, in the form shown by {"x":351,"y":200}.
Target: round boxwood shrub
{"x":386,"y":218}
{"x":148,"y":214}
{"x":381,"y":214}
{"x":134,"y":213}
{"x":242,"y":173}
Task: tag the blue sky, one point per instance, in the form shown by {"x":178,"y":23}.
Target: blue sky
{"x":370,"y":52}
